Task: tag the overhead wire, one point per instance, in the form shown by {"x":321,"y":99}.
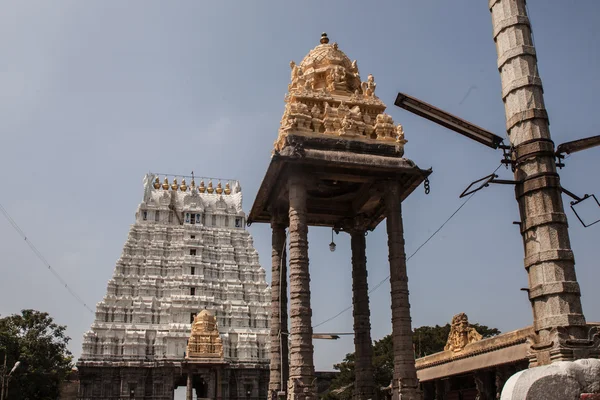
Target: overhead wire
{"x":409,"y":257}
{"x":43,"y":259}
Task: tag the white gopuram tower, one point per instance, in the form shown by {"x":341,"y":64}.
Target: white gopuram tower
{"x":187,"y":251}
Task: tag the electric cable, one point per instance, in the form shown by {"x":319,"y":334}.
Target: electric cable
{"x":42,"y":258}
{"x":411,"y":256}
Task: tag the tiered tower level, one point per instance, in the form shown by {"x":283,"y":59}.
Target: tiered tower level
{"x":187,"y":251}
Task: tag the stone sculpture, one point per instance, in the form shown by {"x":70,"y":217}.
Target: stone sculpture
{"x":461,"y":334}
{"x":326,"y":80}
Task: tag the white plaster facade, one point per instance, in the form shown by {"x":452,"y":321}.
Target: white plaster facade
{"x":187,"y":251}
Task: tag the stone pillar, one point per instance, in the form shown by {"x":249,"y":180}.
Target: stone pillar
{"x":440,"y":390}
{"x":363,"y":365}
{"x":279,"y":368}
{"x":405,"y":382}
{"x":485,"y":385}
{"x":189,"y":388}
{"x":219,"y":391}
{"x":302,"y":370}
{"x":553,"y":289}
{"x":429,"y":391}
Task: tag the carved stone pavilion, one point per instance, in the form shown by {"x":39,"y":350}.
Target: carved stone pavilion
{"x":337,"y":162}
{"x":187,"y":304}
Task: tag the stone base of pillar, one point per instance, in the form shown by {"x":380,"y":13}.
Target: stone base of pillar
{"x":298,"y":391}
{"x":407,"y":393}
{"x":560,"y":346}
{"x":563,"y":380}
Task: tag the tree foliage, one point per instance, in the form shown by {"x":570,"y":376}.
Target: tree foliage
{"x":426,"y":340}
{"x":41,"y":347}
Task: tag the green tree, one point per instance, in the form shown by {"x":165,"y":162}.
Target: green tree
{"x":432,"y":339}
{"x":41,"y":346}
{"x":426,"y":340}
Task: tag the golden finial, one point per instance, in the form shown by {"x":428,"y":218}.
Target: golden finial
{"x":227,"y":189}
{"x":324,"y":38}
{"x":210,"y":188}
{"x":183,"y":186}
{"x":174,"y":185}
{"x":202,"y":188}
{"x":157,"y":183}
{"x":165,"y":184}
{"x":219,"y":188}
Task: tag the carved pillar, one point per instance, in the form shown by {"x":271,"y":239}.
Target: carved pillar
{"x":405,"y":382}
{"x":553,"y":289}
{"x":440,"y":390}
{"x":485,"y":385}
{"x":363,"y":366}
{"x":279,"y":368}
{"x":429,"y":391}
{"x":501,"y":376}
{"x":189,"y":388}
{"x":219,"y":391}
{"x":302,"y":370}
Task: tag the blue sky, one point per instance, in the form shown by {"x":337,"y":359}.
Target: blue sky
{"x":97,"y":93}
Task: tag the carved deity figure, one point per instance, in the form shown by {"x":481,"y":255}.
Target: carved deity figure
{"x":400,"y":134}
{"x":461,"y":334}
{"x":336,"y":79}
{"x":297,"y":76}
{"x":369,"y":86}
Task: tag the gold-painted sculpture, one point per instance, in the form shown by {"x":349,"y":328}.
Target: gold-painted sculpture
{"x":205,"y":341}
{"x":202,"y":188}
{"x":219,"y":188}
{"x":165,"y":184}
{"x":156,"y":183}
{"x":183,"y":186}
{"x":210,"y":188}
{"x":174,"y":185}
{"x":461,"y":334}
{"x":227,"y":189}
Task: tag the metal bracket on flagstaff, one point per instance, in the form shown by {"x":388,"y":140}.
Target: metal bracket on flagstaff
{"x":579,"y":200}
{"x":485,"y":182}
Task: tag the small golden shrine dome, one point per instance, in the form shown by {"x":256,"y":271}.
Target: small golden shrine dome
{"x":325,"y":54}
{"x":205,"y":341}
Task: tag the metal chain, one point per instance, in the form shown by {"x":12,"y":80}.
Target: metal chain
{"x":427,"y":186}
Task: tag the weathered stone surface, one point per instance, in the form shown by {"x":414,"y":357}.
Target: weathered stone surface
{"x":554,"y":291}
{"x":302,"y":370}
{"x":564,"y":380}
{"x":363,"y":350}
{"x":405,"y":384}
{"x":461,"y":334}
{"x":279,"y":317}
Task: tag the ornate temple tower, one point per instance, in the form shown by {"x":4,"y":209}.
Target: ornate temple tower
{"x":337,"y":162}
{"x":187,"y":253}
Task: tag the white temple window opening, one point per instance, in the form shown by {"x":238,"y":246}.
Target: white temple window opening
{"x":193,"y":271}
{"x":192,"y":291}
{"x":145,"y":215}
{"x":156,"y":216}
